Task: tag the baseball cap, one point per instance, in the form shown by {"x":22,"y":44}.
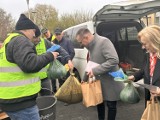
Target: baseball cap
{"x":58,"y":31}
{"x":44,"y":30}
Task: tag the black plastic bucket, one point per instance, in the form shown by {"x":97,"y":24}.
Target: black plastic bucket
{"x":47,"y":107}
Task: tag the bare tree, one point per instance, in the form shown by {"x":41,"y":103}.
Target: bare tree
{"x":44,"y":16}
{"x":69,"y":19}
{"x":7,"y":24}
{"x":47,"y":16}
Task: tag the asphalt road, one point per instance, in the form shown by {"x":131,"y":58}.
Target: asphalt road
{"x":80,"y":112}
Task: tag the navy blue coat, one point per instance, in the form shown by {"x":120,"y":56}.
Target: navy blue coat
{"x":67,"y":45}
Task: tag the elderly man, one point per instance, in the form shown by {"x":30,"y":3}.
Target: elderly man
{"x":67,"y":45}
{"x":19,"y":77}
{"x":102,"y":51}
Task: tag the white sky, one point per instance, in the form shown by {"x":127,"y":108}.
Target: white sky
{"x":16,"y":7}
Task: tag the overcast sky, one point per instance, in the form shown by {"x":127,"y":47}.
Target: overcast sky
{"x":16,"y":7}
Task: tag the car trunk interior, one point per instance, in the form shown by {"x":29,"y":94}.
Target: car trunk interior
{"x":124,"y":37}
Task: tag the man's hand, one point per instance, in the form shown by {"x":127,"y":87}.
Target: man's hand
{"x":53,"y":48}
{"x":70,"y":64}
{"x":55,"y":54}
{"x":90,"y":73}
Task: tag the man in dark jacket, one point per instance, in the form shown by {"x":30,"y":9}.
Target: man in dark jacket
{"x":19,"y":78}
{"x":64,"y":42}
{"x":67,"y":45}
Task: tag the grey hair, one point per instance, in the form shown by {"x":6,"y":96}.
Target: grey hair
{"x":82,"y":31}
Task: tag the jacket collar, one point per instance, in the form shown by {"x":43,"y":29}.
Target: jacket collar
{"x":89,"y":46}
{"x":16,"y":31}
{"x":156,"y":74}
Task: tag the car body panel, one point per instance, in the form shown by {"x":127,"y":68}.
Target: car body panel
{"x":117,"y":18}
{"x":131,"y":10}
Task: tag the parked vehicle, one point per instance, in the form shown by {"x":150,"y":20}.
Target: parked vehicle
{"x":120,"y":23}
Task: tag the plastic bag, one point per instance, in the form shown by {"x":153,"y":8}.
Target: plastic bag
{"x":130,"y":94}
{"x":56,"y":70}
{"x":70,"y":92}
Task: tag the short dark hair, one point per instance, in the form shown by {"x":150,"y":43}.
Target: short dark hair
{"x":82,"y":31}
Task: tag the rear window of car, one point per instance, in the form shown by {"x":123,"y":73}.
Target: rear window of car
{"x":128,"y":33}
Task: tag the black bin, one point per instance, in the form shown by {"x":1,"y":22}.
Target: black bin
{"x":47,"y":107}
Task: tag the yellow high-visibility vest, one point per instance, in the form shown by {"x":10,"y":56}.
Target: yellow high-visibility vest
{"x":14,"y":83}
{"x":41,"y":48}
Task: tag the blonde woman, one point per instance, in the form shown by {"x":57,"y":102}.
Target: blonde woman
{"x":149,"y":37}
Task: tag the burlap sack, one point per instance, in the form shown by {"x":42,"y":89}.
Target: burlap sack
{"x":70,"y":92}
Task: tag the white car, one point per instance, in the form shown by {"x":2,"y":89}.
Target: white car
{"x":120,"y":23}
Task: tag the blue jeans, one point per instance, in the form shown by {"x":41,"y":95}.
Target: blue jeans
{"x":31,"y":113}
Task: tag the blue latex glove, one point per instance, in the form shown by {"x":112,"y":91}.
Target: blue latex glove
{"x":53,"y":48}
{"x":118,"y":74}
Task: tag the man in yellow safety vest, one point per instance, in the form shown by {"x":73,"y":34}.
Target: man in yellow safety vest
{"x":41,"y":47}
{"x":48,"y":35}
{"x":19,"y":67}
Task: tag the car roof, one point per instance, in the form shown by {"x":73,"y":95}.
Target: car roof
{"x":127,"y":10}
{"x":88,"y":25}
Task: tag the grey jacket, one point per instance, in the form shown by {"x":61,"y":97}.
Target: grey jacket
{"x":103,"y":52}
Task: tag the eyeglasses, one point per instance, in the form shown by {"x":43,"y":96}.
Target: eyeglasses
{"x":83,"y":38}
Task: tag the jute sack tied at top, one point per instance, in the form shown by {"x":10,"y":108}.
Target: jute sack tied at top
{"x":70,"y":92}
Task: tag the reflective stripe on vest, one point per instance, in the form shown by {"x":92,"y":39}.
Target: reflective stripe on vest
{"x":16,"y":69}
{"x":14,"y":83}
{"x":19,"y":83}
{"x":10,"y":69}
{"x":41,"y":48}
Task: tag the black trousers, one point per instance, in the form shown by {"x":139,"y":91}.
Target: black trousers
{"x":46,"y":87}
{"x":61,"y":81}
{"x":54,"y":87}
{"x":112,"y":110}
